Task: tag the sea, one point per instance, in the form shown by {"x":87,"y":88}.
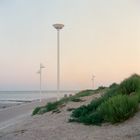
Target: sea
{"x":27,"y":96}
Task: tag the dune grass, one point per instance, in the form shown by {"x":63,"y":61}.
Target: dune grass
{"x":55,"y":105}
{"x":118,"y":108}
{"x":130,"y":85}
{"x":118,"y":104}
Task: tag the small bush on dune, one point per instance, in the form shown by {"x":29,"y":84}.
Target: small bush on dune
{"x":87,"y":114}
{"x":119,"y":108}
{"x":114,"y":85}
{"x":87,"y":109}
{"x":95,"y":103}
{"x":130,"y":85}
{"x":138,"y":96}
{"x":36,"y":110}
{"x":49,"y":107}
{"x":82,"y":115}
{"x":101,"y":88}
{"x":42,"y":110}
{"x":52,"y":106}
{"x":81,"y":111}
{"x":95,"y":118}
{"x":111,"y":93}
{"x":85,"y":93}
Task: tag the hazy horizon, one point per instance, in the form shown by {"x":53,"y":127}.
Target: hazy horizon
{"x":100,"y":38}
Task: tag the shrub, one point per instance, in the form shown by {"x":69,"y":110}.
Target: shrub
{"x":101,"y":88}
{"x":114,"y":85}
{"x":111,"y":92}
{"x":95,"y":103}
{"x":87,"y":114}
{"x":49,"y":107}
{"x":84,"y":93}
{"x":36,"y":110}
{"x":114,"y":109}
{"x":81,"y":111}
{"x":52,"y":106}
{"x":89,"y":119}
{"x":85,"y":110}
{"x":130,"y":85}
{"x":95,"y":118}
{"x":42,"y":110}
{"x":119,"y":108}
{"x":138,"y":96}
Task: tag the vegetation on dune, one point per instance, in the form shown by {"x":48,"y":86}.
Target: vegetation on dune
{"x":36,"y":110}
{"x":51,"y":106}
{"x":130,"y":85}
{"x":118,"y":104}
{"x":118,"y":108}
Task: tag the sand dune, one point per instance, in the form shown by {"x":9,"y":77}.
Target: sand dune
{"x":52,"y":126}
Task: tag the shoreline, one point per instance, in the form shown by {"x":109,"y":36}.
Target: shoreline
{"x":55,"y":126}
{"x":15,"y":113}
{"x":10,"y":103}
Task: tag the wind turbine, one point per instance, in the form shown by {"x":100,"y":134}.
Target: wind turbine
{"x":93,"y":77}
{"x":40,"y":73}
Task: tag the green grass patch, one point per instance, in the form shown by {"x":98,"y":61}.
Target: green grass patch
{"x":84,"y":93}
{"x":119,"y":102}
{"x":55,"y":105}
{"x":118,"y":108}
{"x":36,"y":110}
{"x":130,"y":85}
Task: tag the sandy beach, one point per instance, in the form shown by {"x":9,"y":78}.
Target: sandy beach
{"x":11,"y":114}
{"x":6,"y":105}
{"x":55,"y":126}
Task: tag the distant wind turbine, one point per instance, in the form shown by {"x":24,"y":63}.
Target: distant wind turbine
{"x":93,"y":80}
{"x":40,"y":73}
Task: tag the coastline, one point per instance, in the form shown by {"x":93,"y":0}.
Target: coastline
{"x":11,"y":114}
{"x":6,"y":105}
{"x":9,"y":103}
{"x":55,"y":126}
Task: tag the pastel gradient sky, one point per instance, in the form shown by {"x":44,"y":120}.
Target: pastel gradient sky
{"x":100,"y":37}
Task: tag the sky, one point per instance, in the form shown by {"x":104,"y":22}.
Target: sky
{"x":100,"y":37}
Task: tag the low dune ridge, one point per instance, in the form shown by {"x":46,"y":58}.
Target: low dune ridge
{"x":55,"y":126}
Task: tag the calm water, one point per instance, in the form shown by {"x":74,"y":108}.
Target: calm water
{"x":12,"y":96}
